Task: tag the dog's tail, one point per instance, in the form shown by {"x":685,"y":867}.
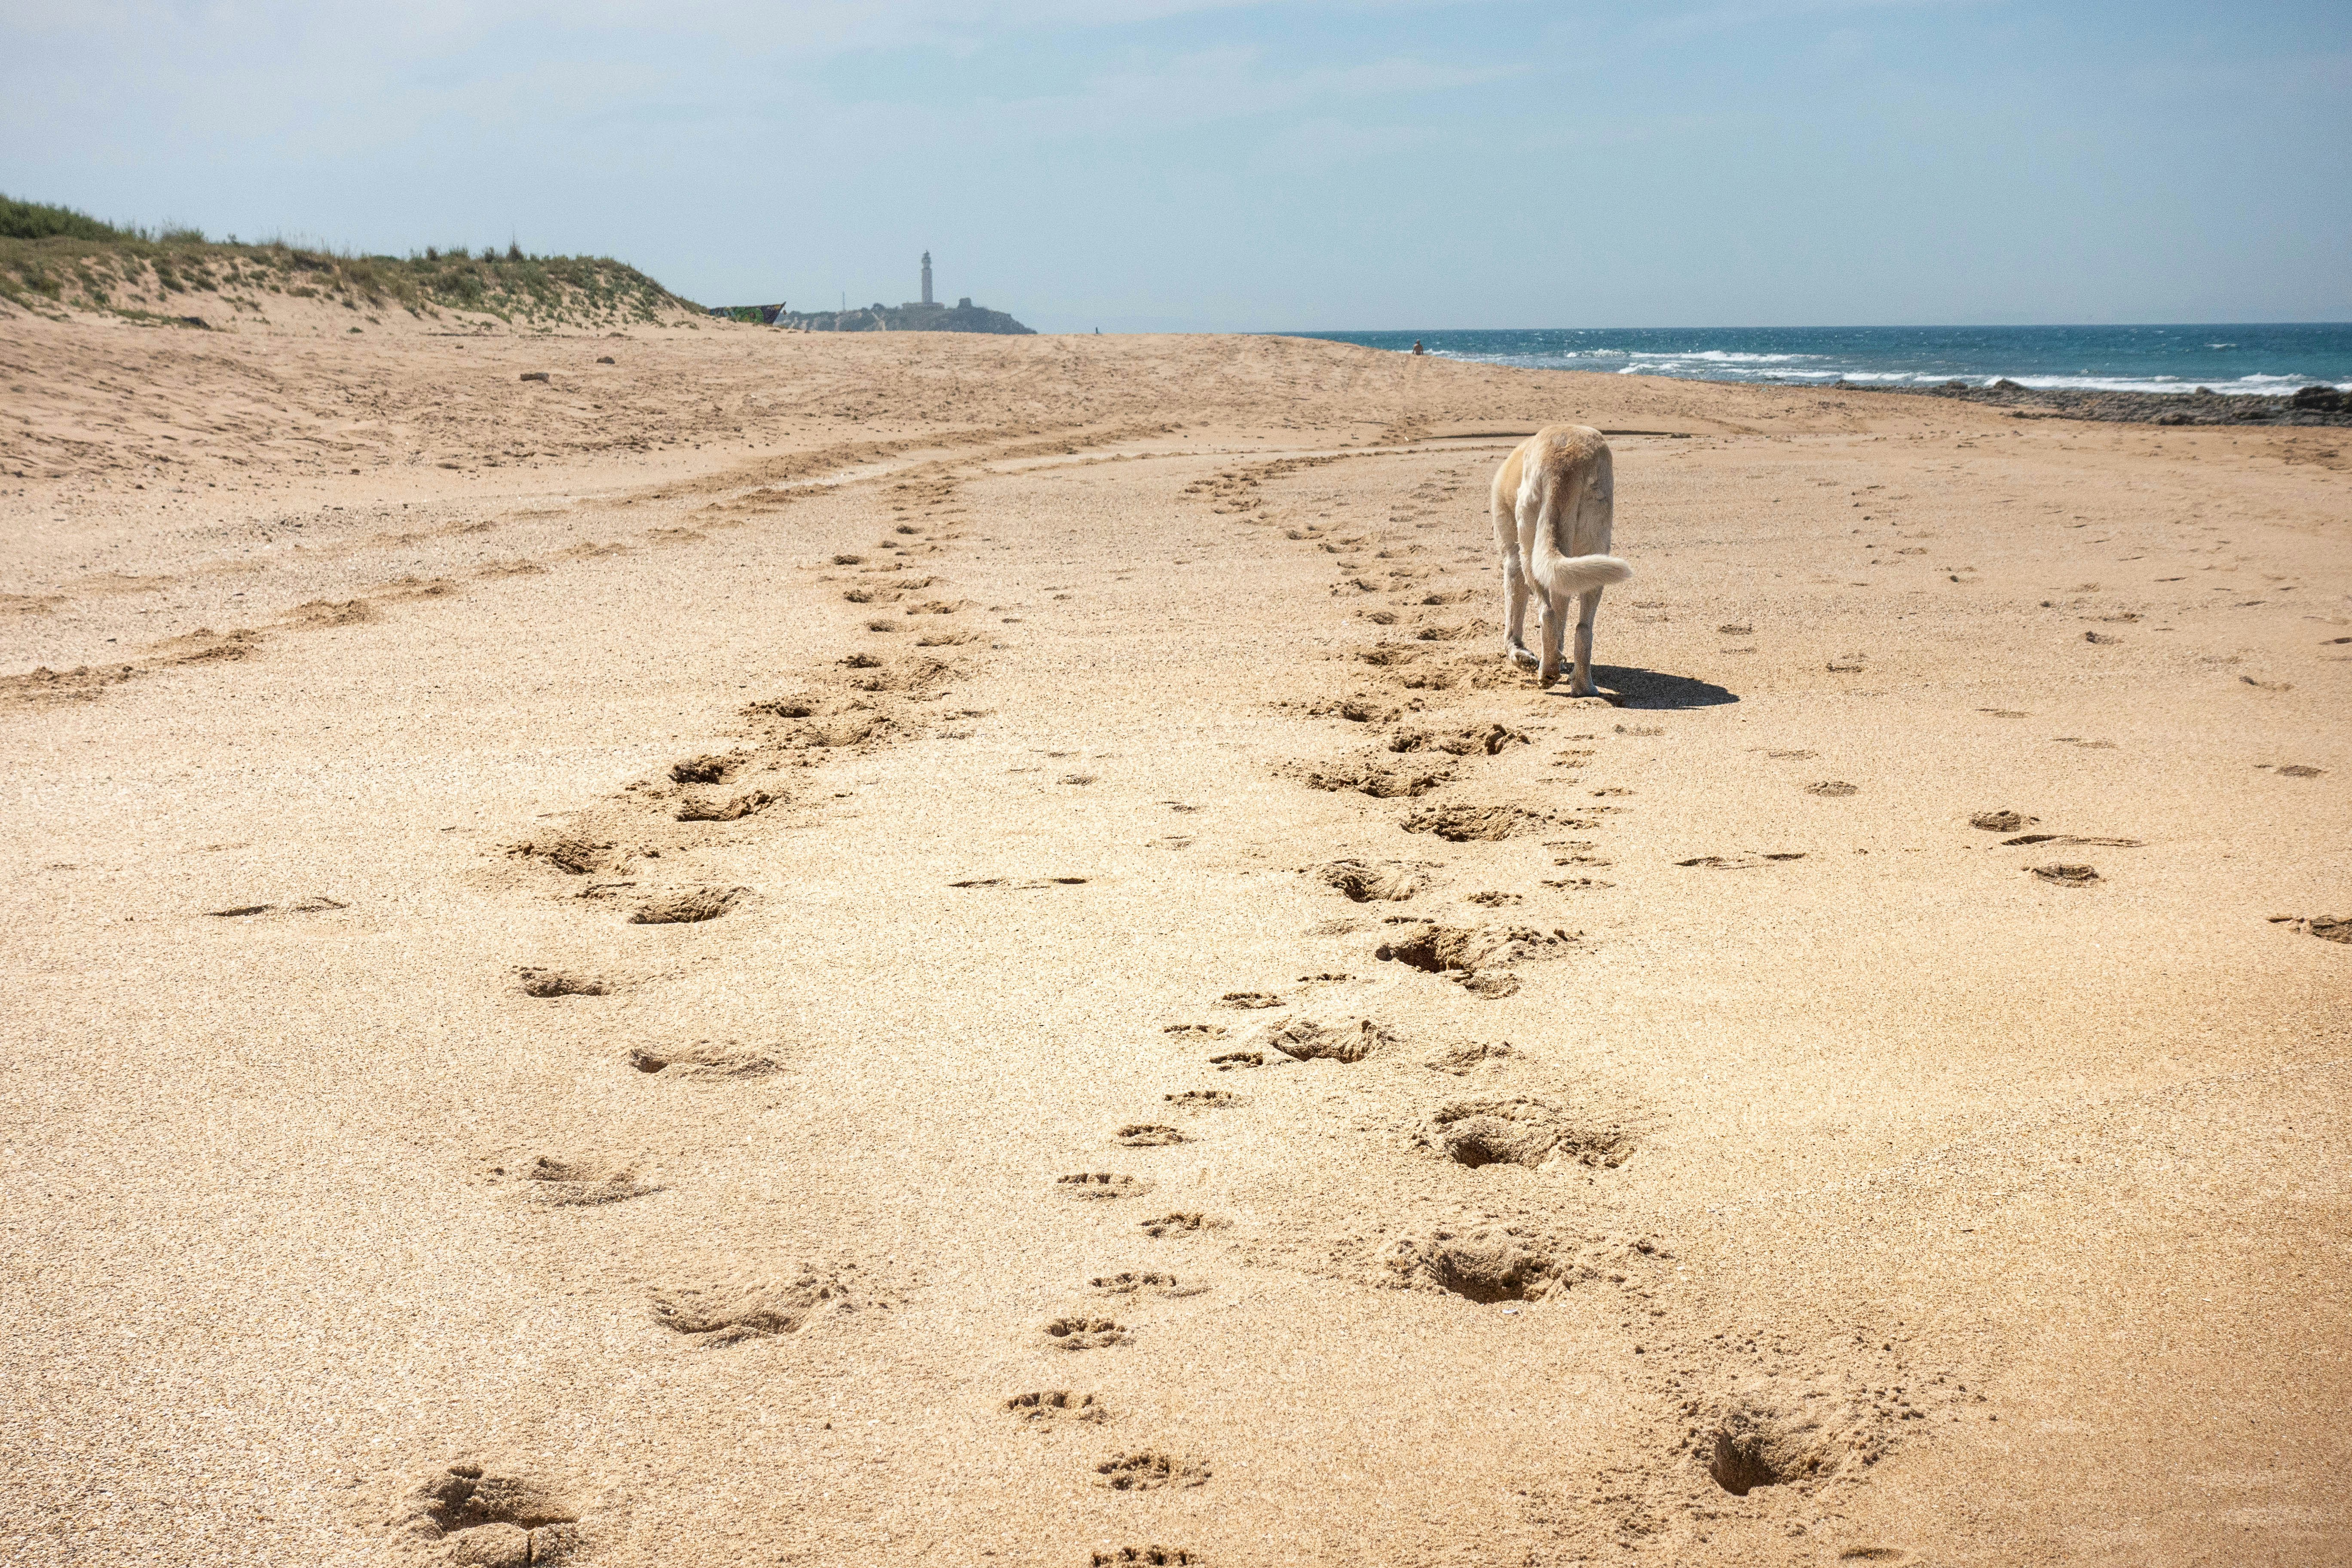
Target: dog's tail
{"x":1572,"y":575}
{"x":1585,"y":483}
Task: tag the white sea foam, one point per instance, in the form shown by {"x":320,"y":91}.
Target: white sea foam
{"x":1723,"y":357}
{"x":2245,"y":386}
{"x":1816,"y":369}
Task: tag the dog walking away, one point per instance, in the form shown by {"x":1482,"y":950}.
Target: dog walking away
{"x":1551,"y":507}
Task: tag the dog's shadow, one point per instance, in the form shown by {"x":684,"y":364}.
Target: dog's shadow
{"x":1625,"y":688}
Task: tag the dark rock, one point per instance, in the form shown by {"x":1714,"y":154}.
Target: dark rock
{"x":2313,"y":406}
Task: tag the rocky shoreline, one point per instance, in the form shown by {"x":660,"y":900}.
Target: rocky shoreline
{"x":2310,"y":405}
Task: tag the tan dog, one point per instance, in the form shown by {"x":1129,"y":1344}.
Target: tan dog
{"x":1551,"y":507}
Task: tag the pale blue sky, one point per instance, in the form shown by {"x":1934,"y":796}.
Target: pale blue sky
{"x":1191,"y":164}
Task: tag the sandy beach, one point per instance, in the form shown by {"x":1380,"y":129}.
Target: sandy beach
{"x":883,"y":948}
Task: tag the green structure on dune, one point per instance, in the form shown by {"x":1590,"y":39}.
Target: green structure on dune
{"x":923,"y":315}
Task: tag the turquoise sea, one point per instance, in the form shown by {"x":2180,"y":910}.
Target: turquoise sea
{"x":2231,"y":359}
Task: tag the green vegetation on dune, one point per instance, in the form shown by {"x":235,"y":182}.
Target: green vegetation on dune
{"x":52,"y":257}
{"x":32,"y":220}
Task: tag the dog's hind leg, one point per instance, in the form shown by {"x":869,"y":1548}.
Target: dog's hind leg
{"x":1515,"y":592}
{"x":1554,"y":610}
{"x":1580,"y":681}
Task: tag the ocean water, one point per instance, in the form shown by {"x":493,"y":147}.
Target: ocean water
{"x":2228,"y":359}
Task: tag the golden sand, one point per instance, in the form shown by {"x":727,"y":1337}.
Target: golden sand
{"x":857,"y":949}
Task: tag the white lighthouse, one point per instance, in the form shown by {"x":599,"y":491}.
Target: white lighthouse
{"x":927,"y":278}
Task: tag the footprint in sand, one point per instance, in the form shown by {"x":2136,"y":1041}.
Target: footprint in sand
{"x":1476,"y":957}
{"x":1144,"y":1557}
{"x":2073,"y":838}
{"x":1132,"y":1282}
{"x":1803,"y":1427}
{"x":314,"y":906}
{"x":1481,"y":1263}
{"x":1178,"y":1223}
{"x":1150,"y":1471}
{"x":553,"y":982}
{"x":493,"y":1518}
{"x":1486,"y":739}
{"x":705,"y":1059}
{"x":578,"y":1183}
{"x":1532,"y":1133}
{"x":1147,"y":1135}
{"x":731,"y":1312}
{"x":1461,"y":1060}
{"x":567,"y":852}
{"x":1463,"y":824}
{"x":2326,"y":928}
{"x":749,"y":803}
{"x":688,"y":905}
{"x":1208,"y":1098}
{"x":1576,"y":852}
{"x":1085,"y":1333}
{"x":1350,"y":1043}
{"x":2066,"y":875}
{"x":1367,"y":775}
{"x":1053,"y":1406}
{"x":1385,"y":881}
{"x":1233,"y":1059}
{"x":1098,"y":1185}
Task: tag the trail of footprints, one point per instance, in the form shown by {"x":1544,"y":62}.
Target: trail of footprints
{"x":1720,"y":1433}
{"x":1736,"y":1416}
{"x":636,"y":854}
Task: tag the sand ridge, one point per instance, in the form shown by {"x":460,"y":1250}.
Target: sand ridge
{"x":933,"y":988}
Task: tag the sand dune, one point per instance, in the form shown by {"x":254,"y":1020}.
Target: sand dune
{"x":896,"y":949}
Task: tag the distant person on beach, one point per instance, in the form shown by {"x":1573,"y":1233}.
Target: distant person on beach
{"x":1417,"y":348}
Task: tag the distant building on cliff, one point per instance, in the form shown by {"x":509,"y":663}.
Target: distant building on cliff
{"x":924,"y":315}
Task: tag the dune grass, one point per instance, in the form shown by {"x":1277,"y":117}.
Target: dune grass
{"x":54,"y":256}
